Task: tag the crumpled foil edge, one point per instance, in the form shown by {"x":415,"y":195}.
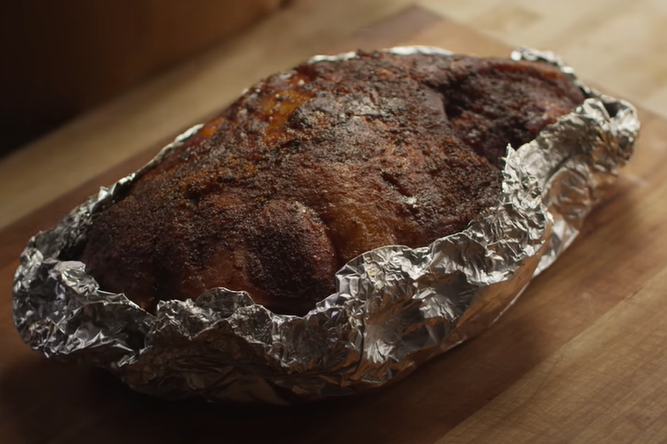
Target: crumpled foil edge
{"x":395,"y":308}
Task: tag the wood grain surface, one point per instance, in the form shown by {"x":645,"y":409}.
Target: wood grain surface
{"x":580,"y":357}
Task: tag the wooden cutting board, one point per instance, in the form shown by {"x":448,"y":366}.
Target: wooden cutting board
{"x":580,"y":358}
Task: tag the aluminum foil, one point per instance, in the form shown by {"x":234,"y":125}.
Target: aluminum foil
{"x":395,"y":307}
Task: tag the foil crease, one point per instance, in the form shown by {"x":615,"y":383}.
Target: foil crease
{"x":395,"y":307}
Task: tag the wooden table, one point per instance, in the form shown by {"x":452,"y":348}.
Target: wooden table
{"x":580,"y":358}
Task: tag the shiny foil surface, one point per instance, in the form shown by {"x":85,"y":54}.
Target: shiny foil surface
{"x":395,"y":307}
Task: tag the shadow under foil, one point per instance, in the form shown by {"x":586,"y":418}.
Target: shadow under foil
{"x":50,"y":401}
{"x":60,"y":402}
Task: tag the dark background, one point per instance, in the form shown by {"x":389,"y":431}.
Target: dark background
{"x":63,"y":57}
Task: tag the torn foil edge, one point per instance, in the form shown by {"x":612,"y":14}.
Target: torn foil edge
{"x":396,"y":307}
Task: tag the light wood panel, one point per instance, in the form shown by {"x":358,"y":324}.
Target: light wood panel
{"x":619,"y":44}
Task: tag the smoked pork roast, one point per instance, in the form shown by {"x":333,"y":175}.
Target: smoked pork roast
{"x":314,"y":166}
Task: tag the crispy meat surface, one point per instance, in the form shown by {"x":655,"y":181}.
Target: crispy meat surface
{"x":314,"y":166}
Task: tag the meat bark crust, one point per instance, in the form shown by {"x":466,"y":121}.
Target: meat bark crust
{"x":314,"y":166}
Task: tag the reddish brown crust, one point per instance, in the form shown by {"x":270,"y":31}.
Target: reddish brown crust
{"x":314,"y":166}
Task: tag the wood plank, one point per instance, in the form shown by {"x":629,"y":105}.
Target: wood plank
{"x":607,"y":385}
